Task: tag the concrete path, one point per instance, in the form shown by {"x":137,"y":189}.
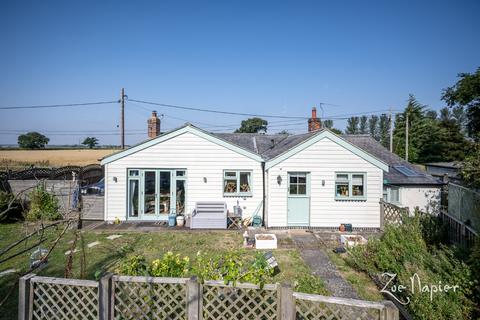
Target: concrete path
{"x":312,"y":253}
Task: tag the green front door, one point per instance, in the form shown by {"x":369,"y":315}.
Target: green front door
{"x":298,"y":204}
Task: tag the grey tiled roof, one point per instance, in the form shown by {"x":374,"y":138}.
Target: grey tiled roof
{"x":271,"y":146}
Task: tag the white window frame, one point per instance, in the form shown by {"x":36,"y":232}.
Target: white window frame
{"x":237,"y":177}
{"x":389,"y":195}
{"x":350,"y":186}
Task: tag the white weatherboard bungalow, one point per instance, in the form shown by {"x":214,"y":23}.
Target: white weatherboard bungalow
{"x":316,"y":179}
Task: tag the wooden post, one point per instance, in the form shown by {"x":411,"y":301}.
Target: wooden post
{"x":122,"y":118}
{"x":24,"y":297}
{"x":391,"y":311}
{"x":193,"y":299}
{"x":104,"y":297}
{"x":382,"y":216}
{"x":286,"y":302}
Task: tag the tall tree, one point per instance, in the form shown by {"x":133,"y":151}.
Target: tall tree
{"x":352,"y":125}
{"x":426,"y":137}
{"x":32,"y":140}
{"x":466,"y":93}
{"x":363,"y":129}
{"x":384,"y":130}
{"x":373,"y":127}
{"x":455,"y":143}
{"x":253,"y":125}
{"x":91,"y":142}
{"x":328,"y":124}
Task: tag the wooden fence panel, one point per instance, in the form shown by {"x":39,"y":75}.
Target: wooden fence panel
{"x":123,"y":297}
{"x":244,"y":301}
{"x":63,"y":299}
{"x":149,"y":298}
{"x":391,"y":214}
{"x":316,"y":307}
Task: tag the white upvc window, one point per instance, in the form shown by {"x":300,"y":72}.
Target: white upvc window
{"x":350,"y":185}
{"x":391,"y":194}
{"x":237,"y":183}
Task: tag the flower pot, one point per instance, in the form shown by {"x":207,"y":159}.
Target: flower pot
{"x":180,"y":221}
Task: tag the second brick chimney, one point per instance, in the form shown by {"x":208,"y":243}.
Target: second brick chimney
{"x":314,"y":123}
{"x":153,"y":125}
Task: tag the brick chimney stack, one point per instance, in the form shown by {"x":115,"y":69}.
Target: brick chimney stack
{"x":153,"y":125}
{"x":314,"y":123}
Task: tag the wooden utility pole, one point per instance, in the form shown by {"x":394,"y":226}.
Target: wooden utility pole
{"x":391,"y":130}
{"x":122,"y":120}
{"x":406,"y":135}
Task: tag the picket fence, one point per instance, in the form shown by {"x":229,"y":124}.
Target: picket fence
{"x":125,"y":297}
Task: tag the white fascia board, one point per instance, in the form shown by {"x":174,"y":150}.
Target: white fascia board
{"x":174,"y":133}
{"x":326,"y":134}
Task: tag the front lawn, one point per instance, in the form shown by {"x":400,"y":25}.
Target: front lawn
{"x":106,"y":255}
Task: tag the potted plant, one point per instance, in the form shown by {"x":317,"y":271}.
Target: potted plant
{"x":180,"y":220}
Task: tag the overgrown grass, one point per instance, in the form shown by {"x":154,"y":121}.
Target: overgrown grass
{"x":359,"y":280}
{"x":403,"y":251}
{"x":107,"y":255}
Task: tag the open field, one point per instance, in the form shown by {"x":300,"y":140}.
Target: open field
{"x":55,"y":158}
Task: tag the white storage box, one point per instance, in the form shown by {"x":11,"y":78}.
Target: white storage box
{"x":351,"y":240}
{"x":265,"y":241}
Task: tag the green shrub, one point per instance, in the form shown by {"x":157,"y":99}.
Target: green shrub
{"x":308,"y":283}
{"x":403,"y":251}
{"x":169,"y":266}
{"x":133,"y":266}
{"x":231,"y":267}
{"x":15,"y":212}
{"x":43,"y":205}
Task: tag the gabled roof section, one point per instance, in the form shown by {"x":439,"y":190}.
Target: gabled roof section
{"x":394,"y":177}
{"x":176,"y":132}
{"x":300,"y":142}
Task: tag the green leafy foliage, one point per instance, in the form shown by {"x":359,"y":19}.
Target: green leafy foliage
{"x":32,"y":140}
{"x":90,"y":142}
{"x":402,"y":251}
{"x":43,"y":205}
{"x":253,"y":125}
{"x":231,"y":267}
{"x":311,"y":284}
{"x":171,"y":265}
{"x":471,"y":167}
{"x":466,"y":93}
{"x":133,"y":266}
{"x":10,"y":207}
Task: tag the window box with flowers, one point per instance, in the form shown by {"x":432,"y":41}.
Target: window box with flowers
{"x":237,"y":183}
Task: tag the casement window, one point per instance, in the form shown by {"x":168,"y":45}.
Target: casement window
{"x":350,"y":186}
{"x":237,"y":183}
{"x":391,"y":194}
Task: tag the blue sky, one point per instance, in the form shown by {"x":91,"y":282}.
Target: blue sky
{"x":274,"y":57}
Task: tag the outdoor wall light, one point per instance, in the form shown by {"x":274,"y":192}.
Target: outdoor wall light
{"x":205,"y":179}
{"x":323,"y":183}
{"x":279,"y":179}
{"x":115,"y":179}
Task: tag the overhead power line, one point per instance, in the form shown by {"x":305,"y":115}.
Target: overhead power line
{"x":216,"y":111}
{"x":59,"y":105}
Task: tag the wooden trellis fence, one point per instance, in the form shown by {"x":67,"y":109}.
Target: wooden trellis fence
{"x":391,"y":214}
{"x":122,"y":297}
